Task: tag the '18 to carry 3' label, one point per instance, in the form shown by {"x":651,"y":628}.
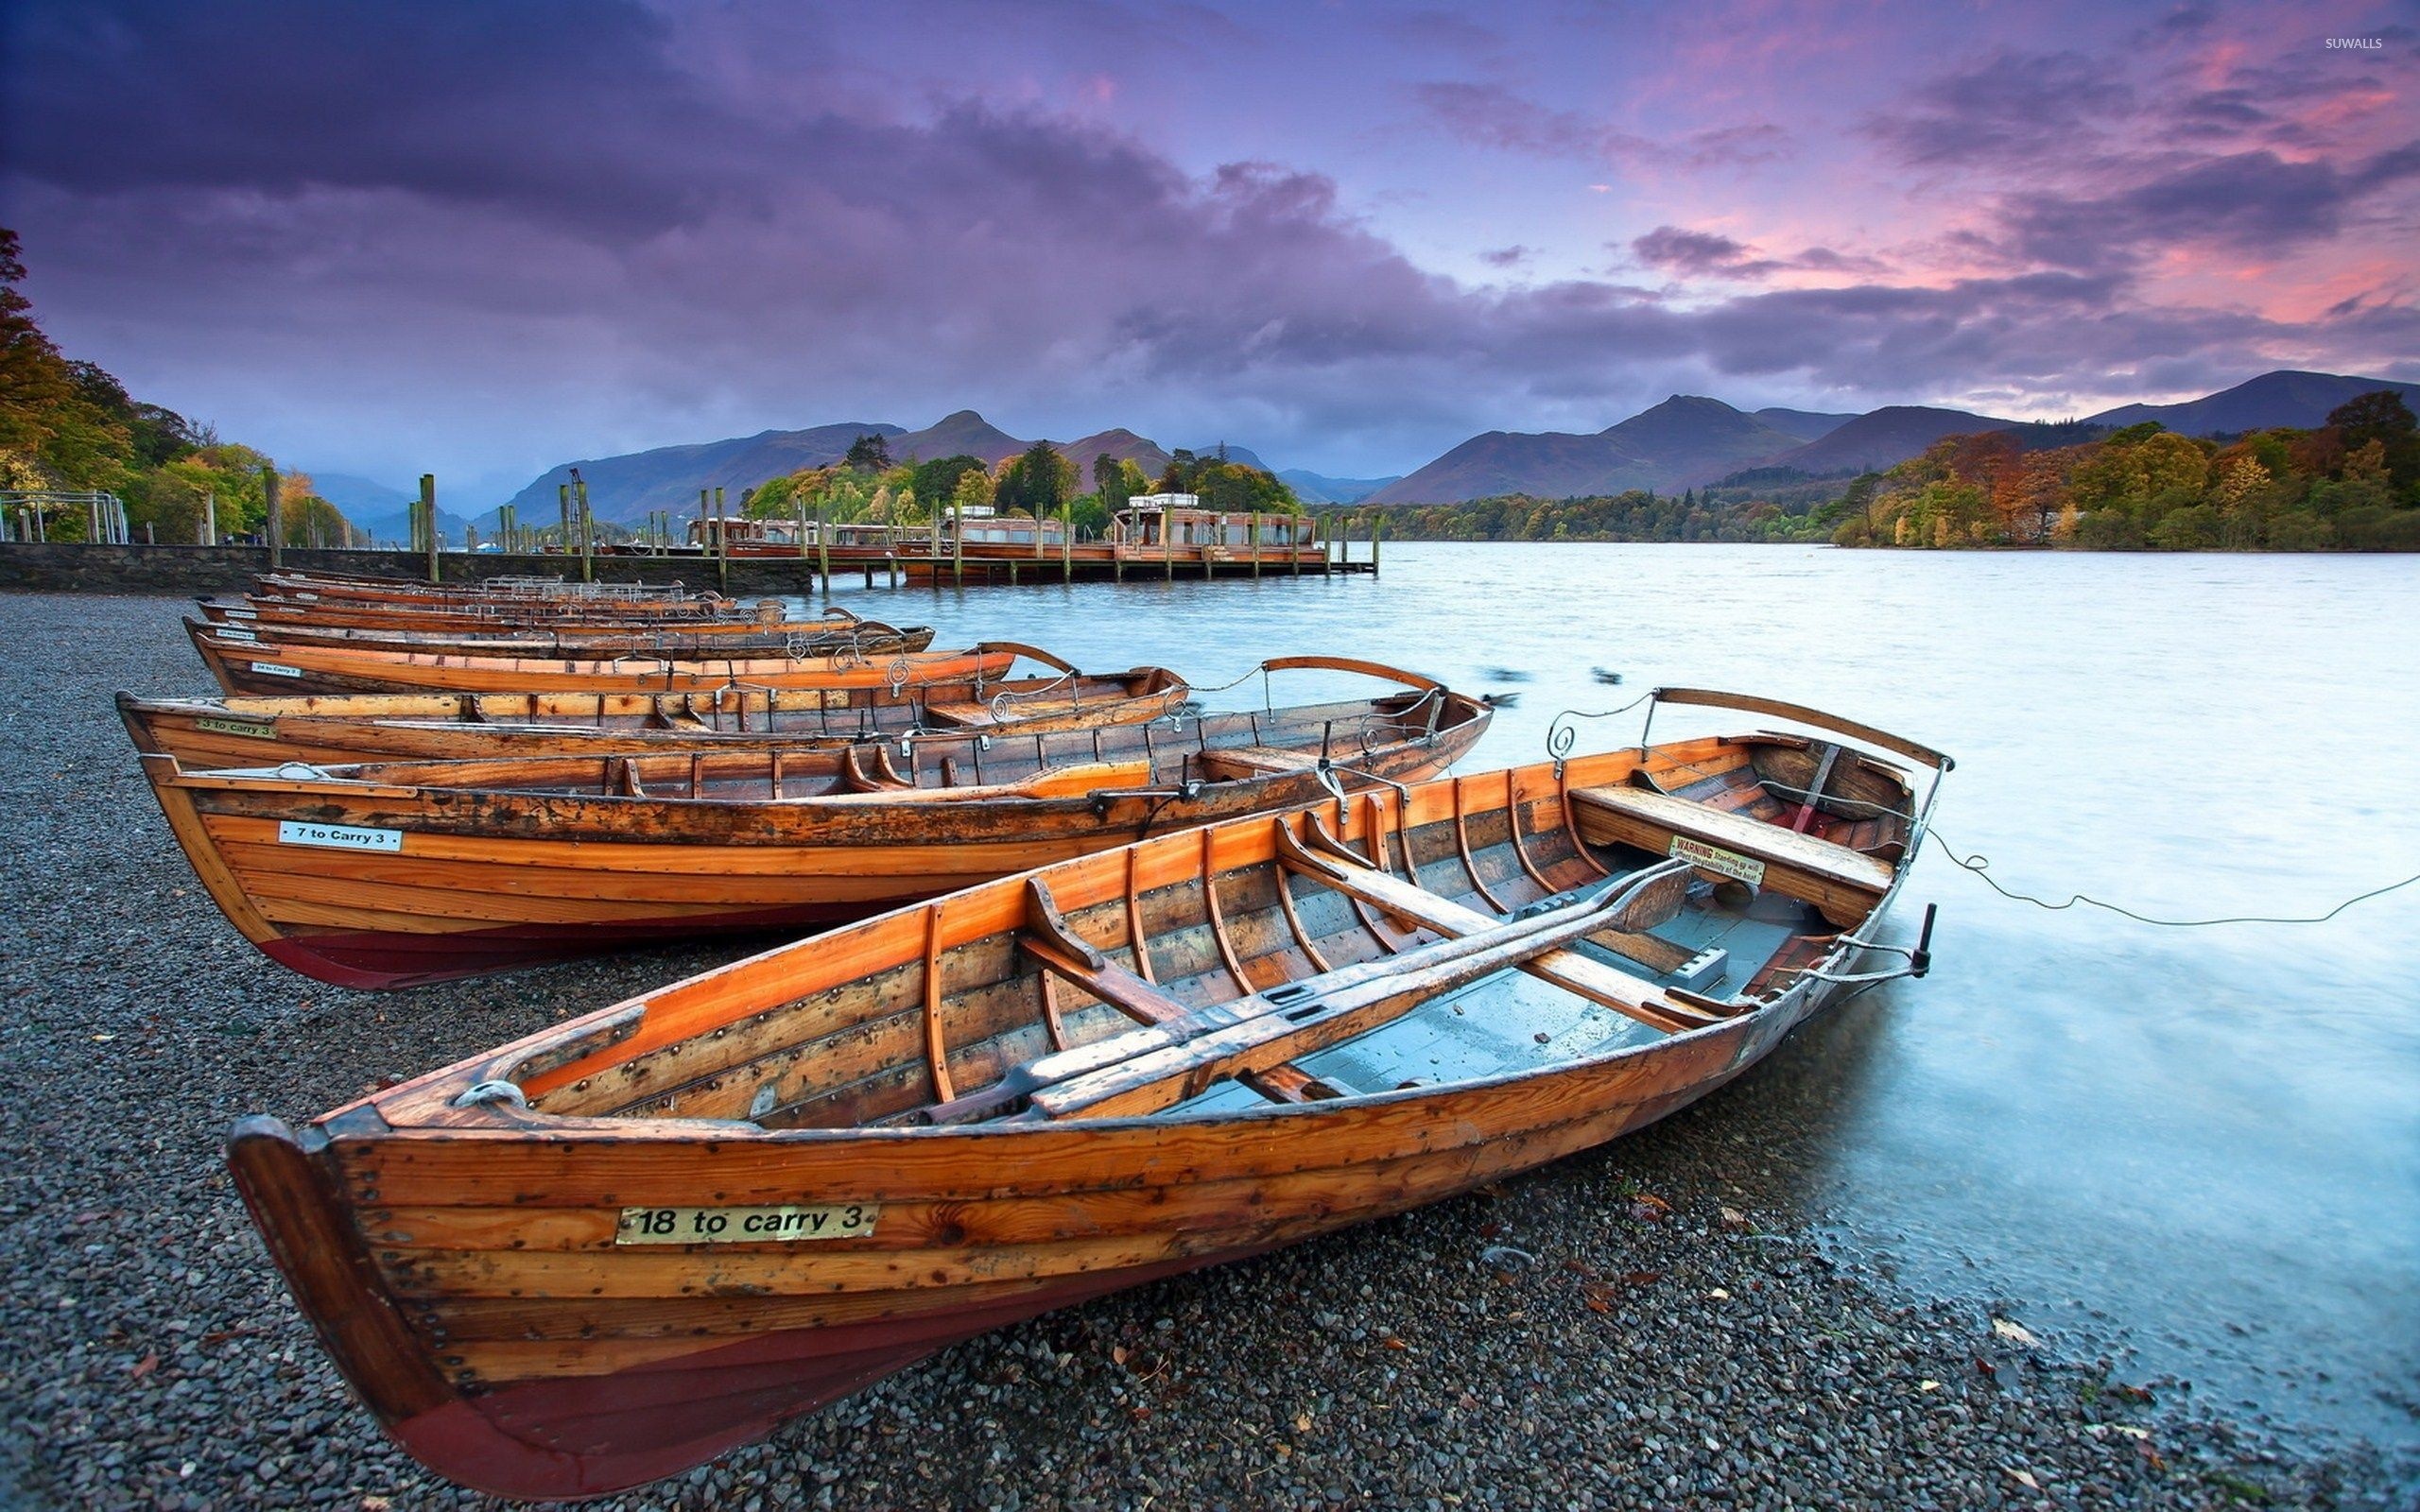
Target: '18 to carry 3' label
{"x":338,"y":836}
{"x":276,"y":669}
{"x":745,"y":1225}
{"x":1714,"y":858}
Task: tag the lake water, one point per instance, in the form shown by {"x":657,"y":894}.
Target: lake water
{"x":2197,"y":1147}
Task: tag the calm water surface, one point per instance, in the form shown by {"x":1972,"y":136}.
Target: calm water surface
{"x":2199,"y":1148}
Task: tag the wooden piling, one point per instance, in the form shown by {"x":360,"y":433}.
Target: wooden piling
{"x":722,"y":544}
{"x":428,"y":521}
{"x":270,"y":494}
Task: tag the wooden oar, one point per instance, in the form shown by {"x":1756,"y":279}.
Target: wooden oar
{"x":1148,"y":1069}
{"x":1337,"y":865}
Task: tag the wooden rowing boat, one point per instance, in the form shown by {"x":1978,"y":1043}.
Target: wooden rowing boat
{"x":396,"y":874}
{"x":260,"y":730}
{"x":553,"y":643}
{"x":738,"y":619}
{"x":627,"y":1242}
{"x":266,"y":664}
{"x":622,"y":598}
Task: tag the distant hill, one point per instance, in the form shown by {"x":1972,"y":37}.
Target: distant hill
{"x":1806,"y":425}
{"x":1120,"y":443}
{"x":1239,"y":455}
{"x":1313,"y":487}
{"x":624,"y":488}
{"x":1684,"y":440}
{"x":386,"y":512}
{"x":963,"y":434}
{"x":2301,"y":399}
{"x":1883,"y":439}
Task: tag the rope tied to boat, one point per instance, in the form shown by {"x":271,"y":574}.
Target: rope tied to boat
{"x":1978,"y":865}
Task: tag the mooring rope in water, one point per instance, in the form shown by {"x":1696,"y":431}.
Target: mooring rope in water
{"x":1978,"y":864}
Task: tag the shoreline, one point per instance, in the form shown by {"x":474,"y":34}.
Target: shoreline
{"x":1604,"y":1331}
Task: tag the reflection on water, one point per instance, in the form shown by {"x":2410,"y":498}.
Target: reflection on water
{"x":2199,"y":1144}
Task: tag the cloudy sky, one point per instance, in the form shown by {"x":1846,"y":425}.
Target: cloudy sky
{"x":482,"y":236}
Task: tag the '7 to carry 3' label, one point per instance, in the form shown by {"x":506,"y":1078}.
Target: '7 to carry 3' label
{"x":338,"y":836}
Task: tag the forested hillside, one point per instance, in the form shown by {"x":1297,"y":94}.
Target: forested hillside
{"x":66,"y":425}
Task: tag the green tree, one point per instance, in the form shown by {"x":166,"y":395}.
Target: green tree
{"x":868,"y":454}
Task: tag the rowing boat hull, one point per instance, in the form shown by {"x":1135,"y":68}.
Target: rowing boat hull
{"x":337,"y":728}
{"x":369,"y":884}
{"x":269,"y":666}
{"x":986,"y":1229}
{"x":481,"y":1268}
{"x":765,"y":642}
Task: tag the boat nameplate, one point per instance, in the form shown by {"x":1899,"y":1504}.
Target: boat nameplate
{"x":276,"y":669}
{"x":245,"y":728}
{"x":1716,"y":859}
{"x":338,"y":836}
{"x":745,"y":1226}
{"x":236,"y":632}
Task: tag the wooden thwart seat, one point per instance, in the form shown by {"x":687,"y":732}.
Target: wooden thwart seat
{"x":1231,"y":763}
{"x":1841,"y":883}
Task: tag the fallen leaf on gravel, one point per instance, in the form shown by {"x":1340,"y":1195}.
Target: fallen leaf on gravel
{"x":1717,"y":1295}
{"x":1927,"y":1386}
{"x":1734,"y":1218}
{"x":1118,"y":1354}
{"x":375,"y":1504}
{"x":1642,"y":1278}
{"x":1393,"y":1343}
{"x":1597,"y":1304}
{"x":1302,"y":1422}
{"x":223,"y":1336}
{"x":145,"y":1366}
{"x":103,"y":1038}
{"x":2024,"y":1478}
{"x":2016,"y":1332}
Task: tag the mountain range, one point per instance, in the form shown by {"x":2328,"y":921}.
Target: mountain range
{"x":1686,"y":442}
{"x":626,"y":488}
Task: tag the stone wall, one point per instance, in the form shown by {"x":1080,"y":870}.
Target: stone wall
{"x":74,"y":568}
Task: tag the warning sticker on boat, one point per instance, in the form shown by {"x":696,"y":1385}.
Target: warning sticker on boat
{"x":235,"y":727}
{"x":276,"y":669}
{"x":745,"y":1226}
{"x":1714,"y":858}
{"x":338,"y":836}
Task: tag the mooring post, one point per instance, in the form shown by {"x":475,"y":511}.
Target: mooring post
{"x":428,"y":521}
{"x":957,"y":543}
{"x":210,"y":518}
{"x":1377,"y":534}
{"x":276,"y":517}
{"x":587,"y":524}
{"x":722,"y":544}
{"x":1068,"y":541}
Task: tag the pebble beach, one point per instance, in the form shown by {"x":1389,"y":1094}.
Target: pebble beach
{"x":1654,"y":1324}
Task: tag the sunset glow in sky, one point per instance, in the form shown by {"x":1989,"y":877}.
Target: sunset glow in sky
{"x":481,"y":237}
